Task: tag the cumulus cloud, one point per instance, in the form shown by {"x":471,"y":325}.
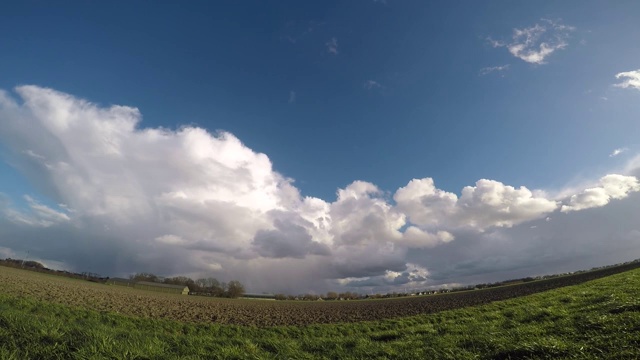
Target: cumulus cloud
{"x":203,"y":188}
{"x":416,"y":238}
{"x":630,"y":79}
{"x":488,"y":204}
{"x":290,"y":238}
{"x":536,"y":43}
{"x":145,"y":195}
{"x":358,"y":216}
{"x":188,"y":201}
{"x":611,"y":186}
{"x":491,"y":203}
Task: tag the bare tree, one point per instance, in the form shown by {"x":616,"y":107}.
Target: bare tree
{"x":235,"y":289}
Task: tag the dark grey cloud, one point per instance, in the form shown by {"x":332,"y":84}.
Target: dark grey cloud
{"x":287,"y":240}
{"x":566,"y":242}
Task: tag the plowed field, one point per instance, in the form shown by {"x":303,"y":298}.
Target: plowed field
{"x":260,"y":313}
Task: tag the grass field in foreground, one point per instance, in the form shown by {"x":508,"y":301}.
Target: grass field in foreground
{"x":595,"y":320}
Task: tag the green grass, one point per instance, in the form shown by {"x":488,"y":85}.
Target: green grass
{"x":596,"y":320}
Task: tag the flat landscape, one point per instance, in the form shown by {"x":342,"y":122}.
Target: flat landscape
{"x":135,"y":302}
{"x":48,"y":317}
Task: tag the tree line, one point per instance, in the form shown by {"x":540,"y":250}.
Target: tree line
{"x":205,"y":286}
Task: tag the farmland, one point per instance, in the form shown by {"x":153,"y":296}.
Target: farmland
{"x":593,"y":320}
{"x":259,"y":313}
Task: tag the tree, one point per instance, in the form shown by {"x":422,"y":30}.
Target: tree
{"x":211,"y":286}
{"x":180,"y":280}
{"x":235,"y":289}
{"x":332,"y":295}
{"x":349,"y":296}
{"x":309,"y":297}
{"x":33,"y":264}
{"x":217,"y":288}
{"x":209,"y":283}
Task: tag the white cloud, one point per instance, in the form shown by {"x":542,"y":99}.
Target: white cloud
{"x":617,"y":152}
{"x":45,"y":213}
{"x":187,"y":192}
{"x":414,"y":276}
{"x":361,"y":216}
{"x":203,"y":188}
{"x":417,"y":238}
{"x":148,"y":196}
{"x":495,"y":43}
{"x":38,"y":214}
{"x":332,"y":46}
{"x":611,"y":186}
{"x":424,"y":203}
{"x":536,"y":43}
{"x":491,"y":203}
{"x":371,"y":84}
{"x":488,"y":204}
{"x":292,"y":97}
{"x":171,"y":239}
{"x":630,"y":79}
{"x":492,"y":69}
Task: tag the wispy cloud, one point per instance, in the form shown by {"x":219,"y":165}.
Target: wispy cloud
{"x":535,"y":43}
{"x":332,"y":46}
{"x":292,"y":97}
{"x":372,"y":84}
{"x":617,"y":152}
{"x":38,"y":215}
{"x":491,"y":69}
{"x":630,"y":79}
{"x":295,"y":32}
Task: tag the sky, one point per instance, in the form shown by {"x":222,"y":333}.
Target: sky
{"x":366,"y":145}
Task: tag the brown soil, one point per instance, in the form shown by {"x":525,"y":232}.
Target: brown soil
{"x":111,"y":298}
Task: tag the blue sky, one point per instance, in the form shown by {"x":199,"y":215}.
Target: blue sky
{"x":380,"y":92}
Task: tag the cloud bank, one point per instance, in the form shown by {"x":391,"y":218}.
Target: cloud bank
{"x":115,"y":197}
{"x":610,"y":187}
